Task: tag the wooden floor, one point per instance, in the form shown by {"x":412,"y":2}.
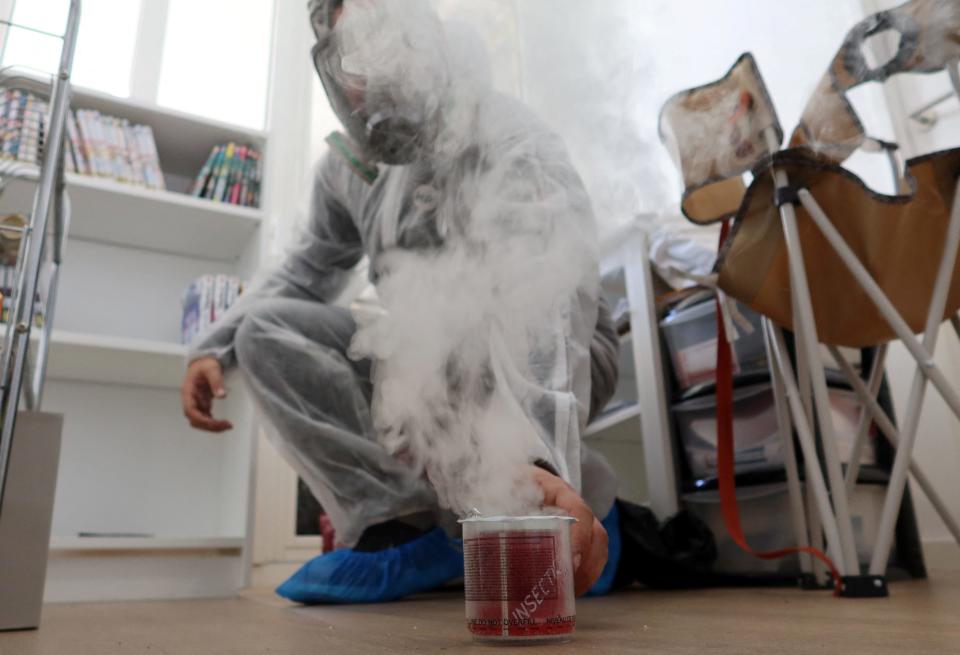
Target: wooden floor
{"x":920,"y":617}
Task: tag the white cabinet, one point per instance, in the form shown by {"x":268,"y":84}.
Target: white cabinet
{"x":634,"y":431}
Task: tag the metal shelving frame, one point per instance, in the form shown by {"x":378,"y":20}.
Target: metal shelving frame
{"x":21,"y":374}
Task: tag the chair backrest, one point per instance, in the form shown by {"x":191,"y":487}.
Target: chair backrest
{"x":929,"y":33}
{"x":715,"y":134}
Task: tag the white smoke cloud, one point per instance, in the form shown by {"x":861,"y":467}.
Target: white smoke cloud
{"x":589,"y":70}
{"x":471,"y":330}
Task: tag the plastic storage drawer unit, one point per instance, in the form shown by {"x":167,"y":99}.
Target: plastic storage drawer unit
{"x":691,"y":337}
{"x":767,"y":524}
{"x":756,"y":437}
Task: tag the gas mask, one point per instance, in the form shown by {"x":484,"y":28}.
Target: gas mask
{"x":376,"y":82}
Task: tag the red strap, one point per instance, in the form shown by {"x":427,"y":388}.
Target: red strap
{"x":725,"y":459}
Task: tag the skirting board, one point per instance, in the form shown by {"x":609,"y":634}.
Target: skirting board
{"x":270,"y":576}
{"x":105,"y":577}
{"x":941,"y":555}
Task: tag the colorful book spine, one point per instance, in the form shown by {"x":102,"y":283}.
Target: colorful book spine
{"x":190,"y":323}
{"x":203,"y":177}
{"x":69,"y":150}
{"x":233,"y":291}
{"x":86,"y":135}
{"x":257,"y":182}
{"x":236,"y":176}
{"x":5,"y":104}
{"x":215,"y":174}
{"x":132,"y":155}
{"x":220,"y":289}
{"x":114,"y":149}
{"x":11,"y":138}
{"x":76,"y":145}
{"x":114,"y":169}
{"x":29,"y":144}
{"x":102,"y":145}
{"x":10,"y":128}
{"x":205,"y":301}
{"x":207,"y":283}
{"x":245,"y":178}
{"x":121,"y":163}
{"x":219,"y":192}
{"x":148,"y":146}
{"x":94,"y":144}
{"x":128,"y":153}
{"x":230,"y":174}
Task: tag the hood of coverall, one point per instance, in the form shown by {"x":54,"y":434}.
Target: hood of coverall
{"x":383,"y":68}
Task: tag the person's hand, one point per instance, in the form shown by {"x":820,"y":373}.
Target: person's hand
{"x":589,"y":539}
{"x":202,"y":383}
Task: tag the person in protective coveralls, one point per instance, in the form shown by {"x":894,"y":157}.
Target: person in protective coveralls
{"x":405,"y":178}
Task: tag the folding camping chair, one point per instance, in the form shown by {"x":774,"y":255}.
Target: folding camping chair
{"x":813,"y":248}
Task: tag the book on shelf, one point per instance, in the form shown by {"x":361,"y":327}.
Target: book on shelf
{"x":94,"y":143}
{"x":206,"y":300}
{"x":8,"y":280}
{"x":231,"y":174}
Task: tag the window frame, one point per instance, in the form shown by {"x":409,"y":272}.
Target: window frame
{"x":145,"y":68}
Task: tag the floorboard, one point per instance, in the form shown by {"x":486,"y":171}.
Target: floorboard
{"x":921,"y":617}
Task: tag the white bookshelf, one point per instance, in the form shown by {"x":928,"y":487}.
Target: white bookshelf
{"x":130,"y":463}
{"x":634,"y":434}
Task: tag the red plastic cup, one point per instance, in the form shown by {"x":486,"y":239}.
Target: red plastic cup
{"x":518,"y":576}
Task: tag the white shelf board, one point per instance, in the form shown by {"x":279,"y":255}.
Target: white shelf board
{"x":107,"y":211}
{"x":88,"y":544}
{"x":607,"y":421}
{"x":115,"y":360}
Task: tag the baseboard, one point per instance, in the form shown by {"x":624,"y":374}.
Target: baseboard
{"x":942,"y":555}
{"x":105,"y":577}
{"x":270,"y":575}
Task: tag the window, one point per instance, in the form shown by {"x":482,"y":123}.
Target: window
{"x":216,"y":59}
{"x":206,"y":57}
{"x":105,"y":46}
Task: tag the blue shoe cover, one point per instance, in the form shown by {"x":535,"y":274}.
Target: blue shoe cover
{"x":347,"y":576}
{"x":605,"y":583}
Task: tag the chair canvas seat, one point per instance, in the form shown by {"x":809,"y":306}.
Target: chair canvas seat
{"x":897,"y":238}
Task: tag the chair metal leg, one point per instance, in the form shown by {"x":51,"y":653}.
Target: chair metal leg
{"x":815,"y":479}
{"x":868,"y":397}
{"x":863,"y":428}
{"x":785,"y":427}
{"x":807,"y":339}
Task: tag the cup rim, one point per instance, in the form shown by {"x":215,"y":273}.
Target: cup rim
{"x":515,"y":519}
